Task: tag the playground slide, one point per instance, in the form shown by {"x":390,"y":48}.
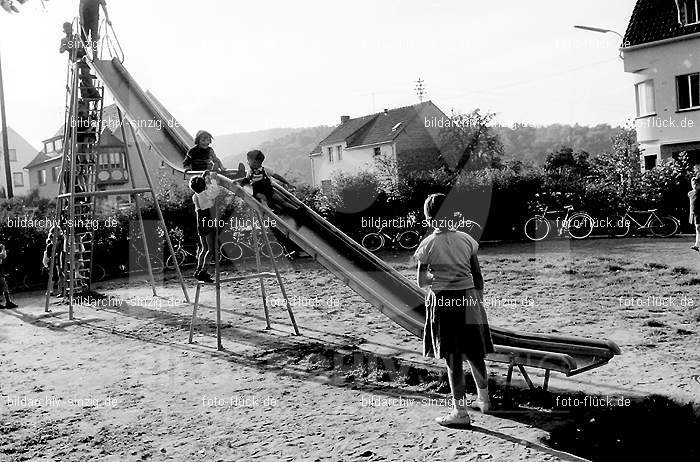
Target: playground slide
{"x":155,"y":126}
{"x":389,"y":291}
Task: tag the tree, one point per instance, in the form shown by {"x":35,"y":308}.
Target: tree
{"x":473,"y":140}
{"x":618,"y":171}
{"x":567,"y":165}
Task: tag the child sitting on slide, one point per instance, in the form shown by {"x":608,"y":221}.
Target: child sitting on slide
{"x":201,"y":157}
{"x":259,"y":178}
{"x":205,"y":189}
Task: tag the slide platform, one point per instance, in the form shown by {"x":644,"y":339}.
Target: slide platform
{"x":391,"y":293}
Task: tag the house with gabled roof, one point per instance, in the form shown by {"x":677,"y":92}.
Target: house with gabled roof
{"x":20,"y":152}
{"x":112,"y":168}
{"x":409,"y":135}
{"x":662,"y":51}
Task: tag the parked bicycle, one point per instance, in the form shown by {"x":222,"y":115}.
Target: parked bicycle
{"x":660,"y":226}
{"x":243,"y":245}
{"x":182,"y":253}
{"x":137,"y":257}
{"x":378,"y":239}
{"x":577,"y":225}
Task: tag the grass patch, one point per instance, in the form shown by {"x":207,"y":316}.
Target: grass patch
{"x":680,"y":270}
{"x":654,"y":323}
{"x":692,"y":282}
{"x":654,"y":265}
{"x":614,"y":268}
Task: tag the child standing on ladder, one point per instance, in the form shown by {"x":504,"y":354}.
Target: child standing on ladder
{"x":455,"y":320}
{"x":90,"y":21}
{"x":205,"y":190}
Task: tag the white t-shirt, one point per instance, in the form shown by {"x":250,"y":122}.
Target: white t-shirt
{"x":448,"y":256}
{"x":205,"y":199}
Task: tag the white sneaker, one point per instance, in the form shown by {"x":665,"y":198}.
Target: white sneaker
{"x":455,"y":418}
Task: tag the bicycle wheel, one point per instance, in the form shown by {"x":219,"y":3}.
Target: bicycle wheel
{"x":409,"y":240}
{"x":580,"y":225}
{"x":98,"y":273}
{"x":372,"y":242}
{"x":537,"y":228}
{"x":156,"y":263}
{"x":276,"y":247}
{"x":620,"y":226}
{"x":663,"y":226}
{"x":473,"y":229}
{"x":231,"y":251}
{"x":179,"y":257}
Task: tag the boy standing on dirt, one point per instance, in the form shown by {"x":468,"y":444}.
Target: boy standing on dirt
{"x":3,"y":282}
{"x":694,"y":196}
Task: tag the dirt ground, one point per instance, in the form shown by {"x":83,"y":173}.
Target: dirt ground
{"x":124,"y":384}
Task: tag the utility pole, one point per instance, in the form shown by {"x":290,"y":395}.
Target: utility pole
{"x":420,"y":89}
{"x":5,"y":144}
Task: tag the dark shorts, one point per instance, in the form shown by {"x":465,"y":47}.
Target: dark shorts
{"x":205,"y":223}
{"x":457,"y":324}
{"x":263,"y":187}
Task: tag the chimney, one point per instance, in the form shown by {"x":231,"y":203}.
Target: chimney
{"x":344,"y":119}
{"x":386,"y":111}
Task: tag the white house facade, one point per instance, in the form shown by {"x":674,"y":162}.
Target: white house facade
{"x":662,"y":52}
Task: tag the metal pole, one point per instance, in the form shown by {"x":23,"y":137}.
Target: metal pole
{"x":277,"y":273}
{"x":5,"y":144}
{"x":217,"y":275}
{"x":160,"y":212}
{"x":137,"y":199}
{"x":256,"y":245}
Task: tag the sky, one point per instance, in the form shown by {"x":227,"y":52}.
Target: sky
{"x":236,"y":66}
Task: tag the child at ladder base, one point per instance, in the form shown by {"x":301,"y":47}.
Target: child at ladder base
{"x":456,"y":326}
{"x":3,"y":283}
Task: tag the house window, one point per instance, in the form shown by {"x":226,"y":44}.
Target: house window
{"x":378,"y":151}
{"x":18,"y":180}
{"x":326,"y":186}
{"x":103,"y":159}
{"x":13,"y":155}
{"x":55,"y":173}
{"x":339,"y":152}
{"x":58,"y":145}
{"x":649,"y":162}
{"x":688,"y":88}
{"x":41,"y":174}
{"x":645,"y":98}
{"x":330,"y":154}
{"x":689,"y":11}
{"x":115,"y":160}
